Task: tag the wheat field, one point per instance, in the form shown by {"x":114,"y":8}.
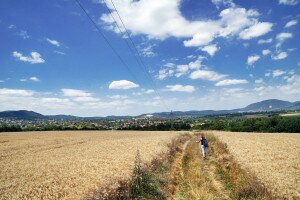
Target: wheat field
{"x":273,"y":157}
{"x":69,"y":165}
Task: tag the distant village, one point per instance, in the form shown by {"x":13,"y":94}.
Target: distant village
{"x":144,"y":123}
{"x":242,"y":122}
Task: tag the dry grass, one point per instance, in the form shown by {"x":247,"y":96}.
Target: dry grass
{"x":149,"y":180}
{"x":215,"y":177}
{"x":197,"y":182}
{"x":273,"y":157}
{"x":291,"y":114}
{"x":69,"y":165}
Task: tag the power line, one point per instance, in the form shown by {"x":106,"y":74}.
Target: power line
{"x":119,"y":28}
{"x":106,"y":39}
{"x":114,"y":50}
{"x":136,"y":50}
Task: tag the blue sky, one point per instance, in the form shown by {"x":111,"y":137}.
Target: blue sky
{"x":208,"y":54}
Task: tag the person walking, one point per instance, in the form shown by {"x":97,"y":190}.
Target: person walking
{"x":203,"y":145}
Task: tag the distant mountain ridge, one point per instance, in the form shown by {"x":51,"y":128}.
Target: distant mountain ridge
{"x":262,"y":106}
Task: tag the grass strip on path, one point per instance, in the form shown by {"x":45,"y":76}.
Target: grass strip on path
{"x":217,"y":177}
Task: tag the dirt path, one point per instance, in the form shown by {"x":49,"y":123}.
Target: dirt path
{"x":193,"y":177}
{"x":217,"y":184}
{"x":176,"y":172}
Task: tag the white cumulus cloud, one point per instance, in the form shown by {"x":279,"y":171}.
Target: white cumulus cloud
{"x":266,"y":52}
{"x":34,"y":79}
{"x":207,"y":75}
{"x":193,"y":65}
{"x":171,"y":23}
{"x":281,"y":37}
{"x":122,"y":84}
{"x":280,"y":56}
{"x":210,"y":49}
{"x":256,"y":30}
{"x":252,"y":59}
{"x":34,"y":57}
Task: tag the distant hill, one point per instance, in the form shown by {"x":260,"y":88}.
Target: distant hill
{"x":262,"y":106}
{"x":22,"y":115}
{"x":268,"y":105}
{"x":295,"y":106}
{"x":62,"y":117}
{"x":186,"y":114}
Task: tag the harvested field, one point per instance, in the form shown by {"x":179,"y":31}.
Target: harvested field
{"x":68,"y":165}
{"x":273,"y":157}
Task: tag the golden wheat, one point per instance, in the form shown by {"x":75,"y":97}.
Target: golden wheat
{"x":69,"y":165}
{"x":273,"y":157}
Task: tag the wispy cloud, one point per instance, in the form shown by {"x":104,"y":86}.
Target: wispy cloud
{"x":149,"y":91}
{"x":16,"y":92}
{"x":288,"y":2}
{"x":291,"y":23}
{"x":33,"y":79}
{"x":53,"y":42}
{"x":118,"y":96}
{"x":227,"y":82}
{"x":147,"y":51}
{"x":23,"y":34}
{"x":12,"y":26}
{"x":266,"y":41}
{"x":75,"y":93}
{"x":59,"y":52}
{"x":219,"y":3}
{"x":259,"y":81}
{"x":280,"y":56}
{"x":180,"y":88}
{"x":276,"y":73}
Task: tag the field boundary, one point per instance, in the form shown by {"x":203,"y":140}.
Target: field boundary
{"x":148,"y":181}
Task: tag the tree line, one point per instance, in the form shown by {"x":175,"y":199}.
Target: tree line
{"x":263,"y":124}
{"x":165,"y":126}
